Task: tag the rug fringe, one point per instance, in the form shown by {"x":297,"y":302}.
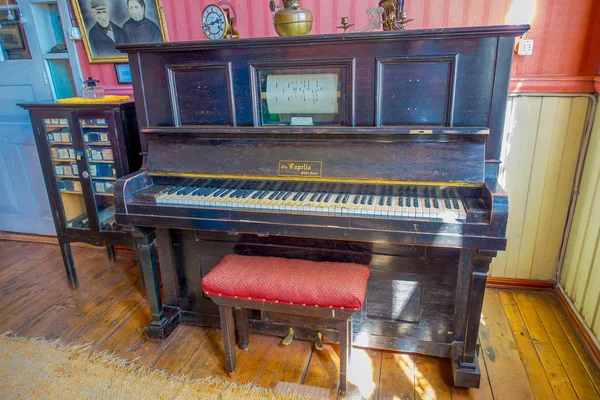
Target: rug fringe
{"x":83,"y":352}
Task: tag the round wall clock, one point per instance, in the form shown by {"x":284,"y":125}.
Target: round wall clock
{"x":215,"y":23}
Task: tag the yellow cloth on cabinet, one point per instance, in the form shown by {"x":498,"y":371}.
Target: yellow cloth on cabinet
{"x":109,"y":98}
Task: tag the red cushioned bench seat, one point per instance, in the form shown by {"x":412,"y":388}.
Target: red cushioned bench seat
{"x":289,"y":281}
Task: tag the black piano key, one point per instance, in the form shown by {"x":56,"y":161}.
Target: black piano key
{"x":304,"y":196}
{"x":280,"y":195}
{"x":435,"y":203}
{"x":263,"y":194}
{"x":287,"y":195}
{"x":447,"y":202}
{"x":371,"y":199}
{"x":455,"y":203}
{"x":338,"y":198}
{"x":381,"y":200}
{"x":174,"y":189}
{"x":321,"y":197}
{"x":196,"y":191}
{"x":355,"y":201}
{"x":389,"y":201}
{"x":187,"y":190}
{"x":314,"y":196}
{"x":226,"y":192}
{"x":297,"y":196}
{"x":427,"y":203}
{"x":346,"y":197}
{"x":258,"y":193}
{"x":273,"y":195}
{"x":328,"y":197}
{"x":400,"y":201}
{"x":415,"y":202}
{"x":363,"y":199}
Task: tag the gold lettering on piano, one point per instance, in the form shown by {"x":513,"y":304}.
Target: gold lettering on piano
{"x":300,"y":168}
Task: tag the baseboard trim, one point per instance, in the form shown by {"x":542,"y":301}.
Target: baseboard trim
{"x":590,"y":342}
{"x":29,"y":237}
{"x":525,"y":284}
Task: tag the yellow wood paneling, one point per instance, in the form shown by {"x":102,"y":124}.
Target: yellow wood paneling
{"x":539,"y":157}
{"x":581,"y":270}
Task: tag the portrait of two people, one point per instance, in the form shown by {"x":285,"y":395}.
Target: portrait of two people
{"x":112,"y":22}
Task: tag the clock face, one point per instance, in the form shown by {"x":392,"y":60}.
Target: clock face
{"x":214,"y":22}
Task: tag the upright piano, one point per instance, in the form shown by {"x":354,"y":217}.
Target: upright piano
{"x":376,"y":148}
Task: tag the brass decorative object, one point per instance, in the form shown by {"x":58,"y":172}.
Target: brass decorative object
{"x":345,"y":24}
{"x":292,"y":20}
{"x":395,"y":17}
{"x":403,"y":20}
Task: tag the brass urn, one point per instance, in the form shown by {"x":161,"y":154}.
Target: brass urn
{"x":292,"y":20}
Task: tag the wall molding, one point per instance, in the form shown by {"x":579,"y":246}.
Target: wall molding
{"x":592,"y":345}
{"x":513,"y":283}
{"x":554,"y":84}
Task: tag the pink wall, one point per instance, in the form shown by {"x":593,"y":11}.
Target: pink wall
{"x":566,"y":32}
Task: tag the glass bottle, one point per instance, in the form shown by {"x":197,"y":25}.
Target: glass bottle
{"x":91,"y":91}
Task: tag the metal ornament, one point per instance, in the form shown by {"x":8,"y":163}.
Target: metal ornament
{"x":375,"y":19}
{"x":345,"y":24}
{"x":292,"y":20}
{"x":395,"y":17}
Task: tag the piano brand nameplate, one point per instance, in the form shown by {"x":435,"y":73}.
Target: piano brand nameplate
{"x":300,"y":168}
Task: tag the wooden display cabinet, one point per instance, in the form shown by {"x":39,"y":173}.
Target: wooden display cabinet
{"x":83,"y":150}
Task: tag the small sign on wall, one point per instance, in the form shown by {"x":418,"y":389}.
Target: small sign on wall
{"x":123,"y":73}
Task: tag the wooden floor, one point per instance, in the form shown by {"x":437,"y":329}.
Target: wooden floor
{"x":529,"y":348}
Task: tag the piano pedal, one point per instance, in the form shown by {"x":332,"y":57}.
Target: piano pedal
{"x":288,"y":339}
{"x":319,"y":341}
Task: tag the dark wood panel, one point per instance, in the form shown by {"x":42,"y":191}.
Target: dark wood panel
{"x":401,"y":161}
{"x":415,"y":90}
{"x":201,"y":94}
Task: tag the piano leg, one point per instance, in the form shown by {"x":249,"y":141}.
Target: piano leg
{"x":472,"y":275}
{"x":163,"y":322}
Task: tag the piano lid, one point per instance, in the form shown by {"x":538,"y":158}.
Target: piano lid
{"x":436,"y":33}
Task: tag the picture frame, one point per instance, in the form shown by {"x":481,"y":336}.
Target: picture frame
{"x":11,"y":36}
{"x":106,"y":23}
{"x":123,"y":72}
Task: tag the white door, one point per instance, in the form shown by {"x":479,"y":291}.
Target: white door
{"x":29,"y":59}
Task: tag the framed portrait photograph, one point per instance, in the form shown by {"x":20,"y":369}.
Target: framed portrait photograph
{"x":106,"y":23}
{"x":123,"y":73}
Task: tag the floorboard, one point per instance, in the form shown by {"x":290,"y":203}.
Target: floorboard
{"x":529,"y":348}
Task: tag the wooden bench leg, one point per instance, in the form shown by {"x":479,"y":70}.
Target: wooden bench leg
{"x":228,"y":332}
{"x":344,"y":350}
{"x":241,"y":320}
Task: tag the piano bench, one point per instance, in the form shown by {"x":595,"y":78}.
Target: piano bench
{"x":325,"y":292}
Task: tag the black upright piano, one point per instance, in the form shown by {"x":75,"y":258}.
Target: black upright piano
{"x":375,"y":148}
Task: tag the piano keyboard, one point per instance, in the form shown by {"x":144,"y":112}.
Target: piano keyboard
{"x":311,"y":198}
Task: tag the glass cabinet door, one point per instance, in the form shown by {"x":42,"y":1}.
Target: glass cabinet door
{"x":66,"y":171}
{"x":101,"y":163}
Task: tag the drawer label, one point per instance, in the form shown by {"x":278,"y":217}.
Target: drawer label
{"x":300,"y":168}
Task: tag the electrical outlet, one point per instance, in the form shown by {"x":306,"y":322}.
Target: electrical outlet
{"x":525,"y":47}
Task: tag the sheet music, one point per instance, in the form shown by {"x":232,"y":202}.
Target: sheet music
{"x":302,"y":94}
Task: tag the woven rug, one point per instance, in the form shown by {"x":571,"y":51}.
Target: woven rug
{"x":41,"y":369}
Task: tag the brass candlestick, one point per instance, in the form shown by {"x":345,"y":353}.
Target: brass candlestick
{"x":403,"y":20}
{"x":345,"y":24}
